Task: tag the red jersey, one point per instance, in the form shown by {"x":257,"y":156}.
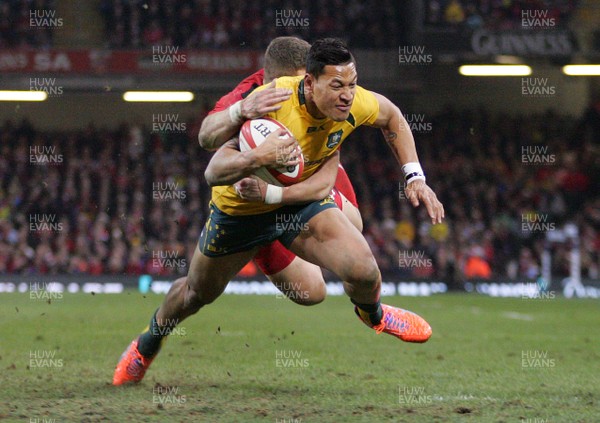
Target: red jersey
{"x":240,"y":92}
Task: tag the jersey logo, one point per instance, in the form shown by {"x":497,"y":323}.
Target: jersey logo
{"x":334,"y":139}
{"x":312,"y":129}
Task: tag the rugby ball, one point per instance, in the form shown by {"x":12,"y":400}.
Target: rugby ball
{"x":253,"y":133}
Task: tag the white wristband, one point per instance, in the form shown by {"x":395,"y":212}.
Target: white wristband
{"x":235,"y":113}
{"x":413,"y":171}
{"x":274,"y":194}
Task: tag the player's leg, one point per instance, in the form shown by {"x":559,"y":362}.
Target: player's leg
{"x":346,"y":198}
{"x":331,"y":241}
{"x":301,"y":281}
{"x":206,"y":280}
{"x":225,"y":246}
{"x":334,"y":243}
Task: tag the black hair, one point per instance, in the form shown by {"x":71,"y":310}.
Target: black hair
{"x":327,"y":51}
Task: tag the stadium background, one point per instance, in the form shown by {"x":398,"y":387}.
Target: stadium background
{"x":95,"y":188}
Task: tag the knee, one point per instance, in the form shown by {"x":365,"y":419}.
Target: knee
{"x":364,"y":273}
{"x":314,"y":296}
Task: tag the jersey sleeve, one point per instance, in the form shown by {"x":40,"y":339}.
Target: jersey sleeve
{"x":226,"y":101}
{"x":241,"y":91}
{"x":367,"y":109}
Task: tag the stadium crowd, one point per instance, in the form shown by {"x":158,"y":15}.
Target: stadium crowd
{"x":131,"y":201}
{"x":197,"y":24}
{"x":225,"y":25}
{"x":21,"y":27}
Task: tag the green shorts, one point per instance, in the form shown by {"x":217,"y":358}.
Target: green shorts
{"x":225,"y":234}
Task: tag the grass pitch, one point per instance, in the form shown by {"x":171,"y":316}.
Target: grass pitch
{"x":260,"y":358}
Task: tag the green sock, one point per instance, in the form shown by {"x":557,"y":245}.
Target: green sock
{"x":369,"y":312}
{"x":150,"y":341}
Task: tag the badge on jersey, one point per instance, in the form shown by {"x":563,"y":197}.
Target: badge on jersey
{"x":334,"y":139}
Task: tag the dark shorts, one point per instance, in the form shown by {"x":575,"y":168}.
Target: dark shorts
{"x":225,"y":234}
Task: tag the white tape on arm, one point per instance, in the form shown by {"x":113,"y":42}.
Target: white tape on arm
{"x":235,"y":113}
{"x":413,"y":171}
{"x":274,"y":194}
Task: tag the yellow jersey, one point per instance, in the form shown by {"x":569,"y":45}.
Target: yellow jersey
{"x":318,"y":139}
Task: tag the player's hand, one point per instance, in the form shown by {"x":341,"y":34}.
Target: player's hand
{"x":251,"y":189}
{"x":278,"y":149}
{"x":418,"y":190}
{"x":265,"y":101}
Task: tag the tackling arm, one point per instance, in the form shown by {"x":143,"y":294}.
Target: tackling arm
{"x":219,"y":127}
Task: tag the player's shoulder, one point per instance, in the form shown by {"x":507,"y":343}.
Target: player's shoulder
{"x":253,"y":81}
{"x":289,"y":81}
{"x":364,"y":93}
{"x":365,"y":107}
{"x":240,"y":92}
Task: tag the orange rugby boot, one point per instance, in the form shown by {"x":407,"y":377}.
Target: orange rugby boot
{"x":132,"y":365}
{"x":400,"y":323}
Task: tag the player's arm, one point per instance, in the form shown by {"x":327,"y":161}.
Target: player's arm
{"x":217,"y":128}
{"x":399,"y":137}
{"x":314,"y":188}
{"x":229,"y":165}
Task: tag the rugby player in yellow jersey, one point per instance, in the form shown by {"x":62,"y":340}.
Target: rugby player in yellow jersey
{"x":326,"y":105}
